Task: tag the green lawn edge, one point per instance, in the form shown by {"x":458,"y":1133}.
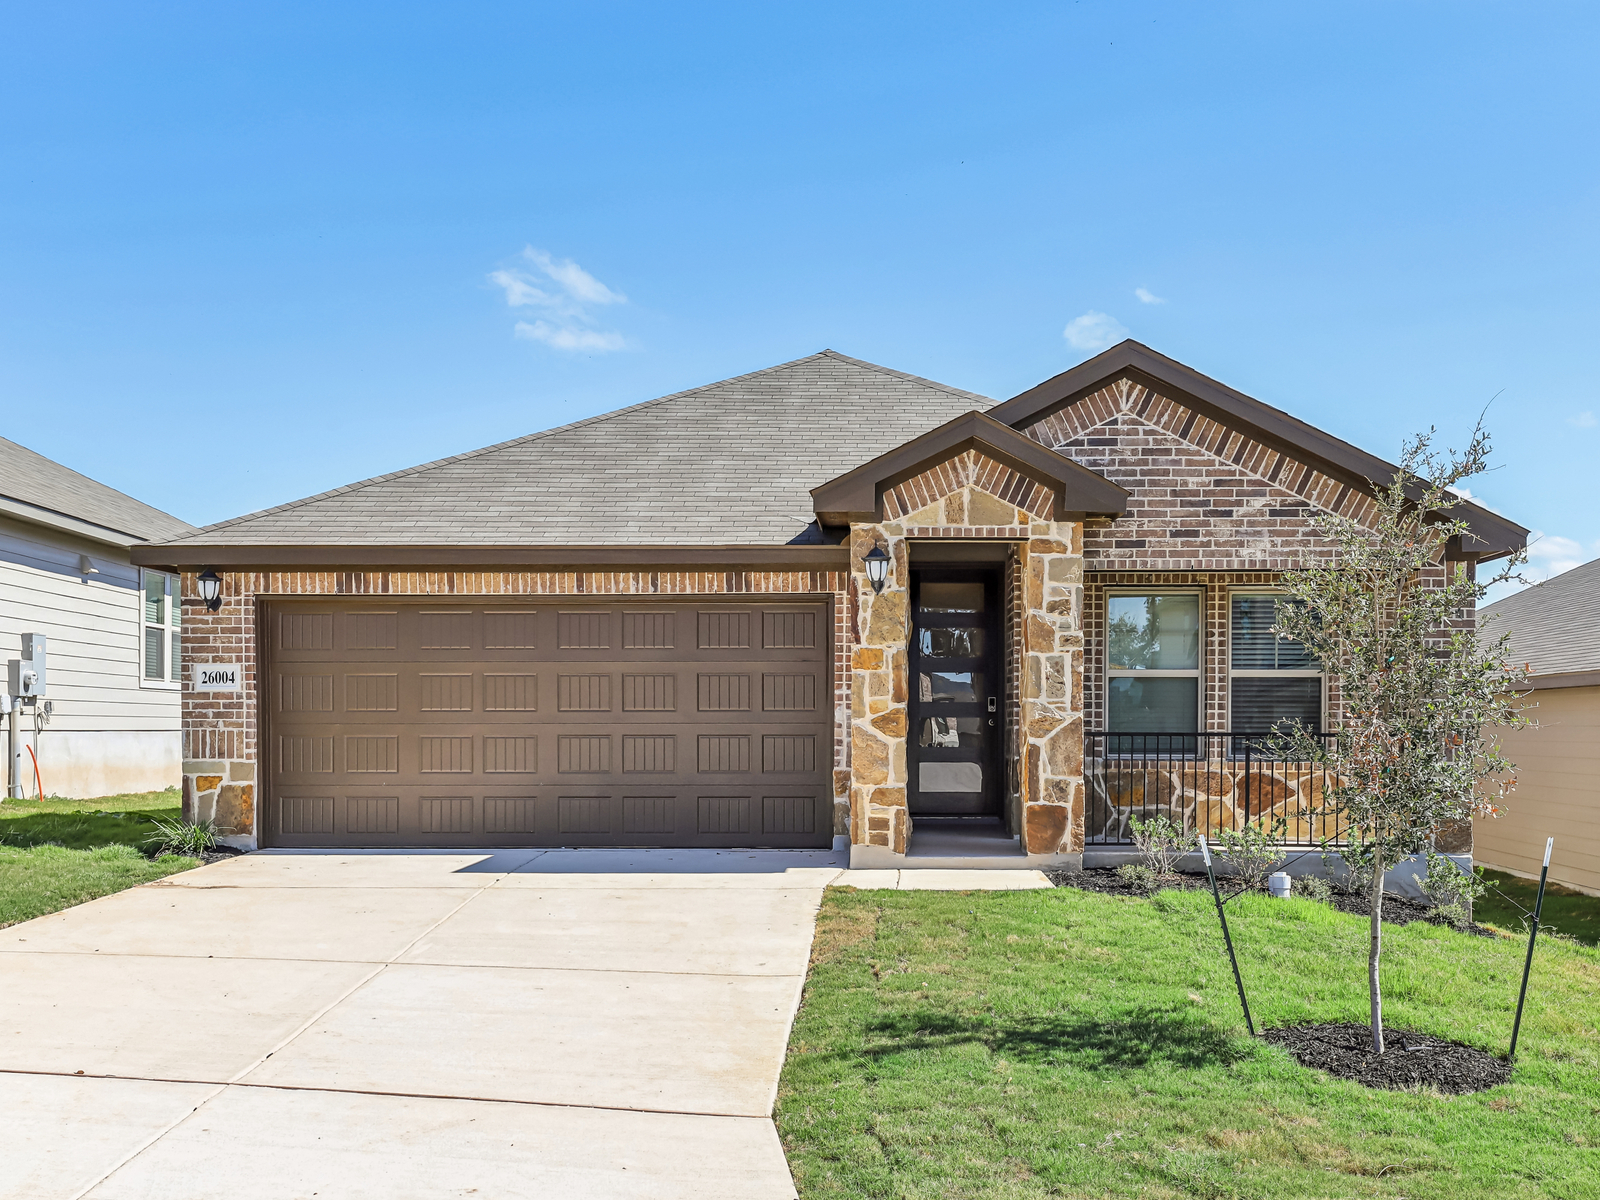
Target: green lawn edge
{"x":1063,"y":1043}
{"x":56,"y":853}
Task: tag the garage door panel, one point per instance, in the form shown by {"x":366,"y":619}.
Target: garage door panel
{"x":615,"y":723}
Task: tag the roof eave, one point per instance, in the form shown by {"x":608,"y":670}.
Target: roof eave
{"x":236,"y":557}
{"x":63,"y":523}
{"x":857,"y":495}
{"x":1494,"y":536}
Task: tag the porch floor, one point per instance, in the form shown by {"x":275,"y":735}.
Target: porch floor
{"x":933,"y":837}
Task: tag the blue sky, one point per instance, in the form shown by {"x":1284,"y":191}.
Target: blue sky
{"x":253,"y":252}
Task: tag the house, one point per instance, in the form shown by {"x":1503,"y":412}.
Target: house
{"x":1554,"y":627}
{"x":823,"y":601}
{"x":111,"y":630}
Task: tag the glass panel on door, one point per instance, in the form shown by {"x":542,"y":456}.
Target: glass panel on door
{"x":954,"y":700}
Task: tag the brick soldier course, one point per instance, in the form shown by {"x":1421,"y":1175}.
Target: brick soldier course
{"x":1129,"y":471}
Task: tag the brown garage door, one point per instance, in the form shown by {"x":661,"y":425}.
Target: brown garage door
{"x":489,"y":723}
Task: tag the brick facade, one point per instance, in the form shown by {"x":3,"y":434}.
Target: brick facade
{"x":1209,"y":509}
{"x":1202,"y":498}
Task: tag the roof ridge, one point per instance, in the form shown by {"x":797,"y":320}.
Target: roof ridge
{"x":507,"y":444}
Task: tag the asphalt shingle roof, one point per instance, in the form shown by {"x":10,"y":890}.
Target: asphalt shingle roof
{"x":728,"y":463}
{"x":1554,"y":625}
{"x":33,"y":479}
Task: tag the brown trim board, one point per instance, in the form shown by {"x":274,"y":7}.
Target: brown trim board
{"x":857,"y":495}
{"x":637,"y":558}
{"x":1567,"y":679}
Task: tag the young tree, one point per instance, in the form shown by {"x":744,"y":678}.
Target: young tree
{"x":1389,"y":617}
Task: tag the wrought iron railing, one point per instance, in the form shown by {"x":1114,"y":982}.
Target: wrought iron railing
{"x":1205,"y":782}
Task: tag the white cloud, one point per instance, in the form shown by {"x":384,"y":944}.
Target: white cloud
{"x":1550,"y":554}
{"x":1093,"y":331}
{"x":1148,"y":297}
{"x":574,"y":279}
{"x":565,"y":292}
{"x":1584,"y":420}
{"x":567,"y":337}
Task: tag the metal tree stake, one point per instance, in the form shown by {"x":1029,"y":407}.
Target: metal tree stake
{"x":1533,"y":936}
{"x":1205,"y":853}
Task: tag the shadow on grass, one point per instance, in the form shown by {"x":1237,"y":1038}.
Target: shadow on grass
{"x":77,"y":831}
{"x":1128,"y":1040}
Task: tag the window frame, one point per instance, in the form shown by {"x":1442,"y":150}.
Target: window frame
{"x":171,"y":627}
{"x":1197,"y":673}
{"x":1275,"y":673}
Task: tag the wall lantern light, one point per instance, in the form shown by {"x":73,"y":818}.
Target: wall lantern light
{"x":877,"y":565}
{"x":211,"y":589}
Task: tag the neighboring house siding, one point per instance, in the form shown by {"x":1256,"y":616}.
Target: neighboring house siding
{"x":1557,"y":793}
{"x":107,"y":733}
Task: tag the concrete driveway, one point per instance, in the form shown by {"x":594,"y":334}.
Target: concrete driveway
{"x":557,"y":1023}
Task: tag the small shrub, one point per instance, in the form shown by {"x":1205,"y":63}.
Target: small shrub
{"x":182,"y":837}
{"x":1311,"y":887}
{"x":1453,"y":890}
{"x":1350,"y":868}
{"x":1161,"y":841}
{"x":1139,"y":876}
{"x":1251,"y":854}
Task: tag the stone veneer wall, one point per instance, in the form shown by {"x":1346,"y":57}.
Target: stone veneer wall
{"x":220,"y":745}
{"x":972,"y":496}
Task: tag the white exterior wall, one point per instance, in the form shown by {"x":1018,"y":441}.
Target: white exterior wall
{"x":108,"y":733}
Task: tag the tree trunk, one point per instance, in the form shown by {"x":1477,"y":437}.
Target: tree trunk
{"x":1374,"y":986}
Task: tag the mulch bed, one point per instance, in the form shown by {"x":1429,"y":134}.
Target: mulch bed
{"x":1409,"y":1060}
{"x":214,"y":855}
{"x":1397,"y":910}
{"x":1106,"y":879}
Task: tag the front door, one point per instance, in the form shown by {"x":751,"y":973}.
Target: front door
{"x":955,"y":691}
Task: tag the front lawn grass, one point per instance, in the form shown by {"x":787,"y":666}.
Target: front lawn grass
{"x":1063,"y":1043}
{"x":55,"y":853}
{"x":1509,"y":897}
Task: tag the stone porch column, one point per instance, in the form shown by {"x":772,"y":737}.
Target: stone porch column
{"x":878,"y":725}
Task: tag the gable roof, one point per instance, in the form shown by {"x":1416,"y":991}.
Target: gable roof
{"x":1554,"y":625}
{"x":40,"y":490}
{"x":857,"y":495}
{"x":730,"y":462}
{"x":1494,"y":535}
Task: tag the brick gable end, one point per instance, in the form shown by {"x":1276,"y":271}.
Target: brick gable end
{"x":973,"y":469}
{"x":1203,"y":497}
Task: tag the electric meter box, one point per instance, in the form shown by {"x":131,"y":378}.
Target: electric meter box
{"x":28,"y":674}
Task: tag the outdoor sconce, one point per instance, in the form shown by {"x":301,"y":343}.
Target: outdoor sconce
{"x":877,"y":565}
{"x":210,"y":589}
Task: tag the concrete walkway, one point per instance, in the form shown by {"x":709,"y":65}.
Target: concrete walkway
{"x":565,"y":1023}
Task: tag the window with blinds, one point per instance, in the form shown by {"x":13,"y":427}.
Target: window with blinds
{"x":1272,"y":680}
{"x":162,"y":643}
